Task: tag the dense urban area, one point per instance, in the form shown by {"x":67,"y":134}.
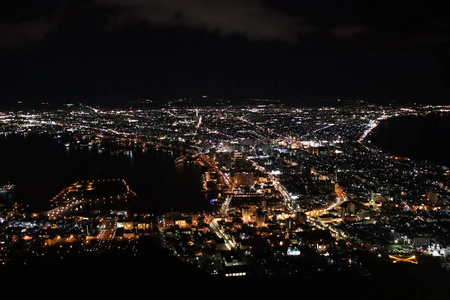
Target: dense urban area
{"x":294,"y":191}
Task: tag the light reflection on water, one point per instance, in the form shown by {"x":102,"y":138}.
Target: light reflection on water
{"x":41,"y":167}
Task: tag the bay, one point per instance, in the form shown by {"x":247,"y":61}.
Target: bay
{"x":422,"y":138}
{"x":41,"y":166}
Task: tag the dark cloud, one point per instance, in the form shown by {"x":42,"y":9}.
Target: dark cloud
{"x":251,"y":18}
{"x":23,"y":33}
{"x":24,"y":21}
{"x":348,"y":31}
{"x":264,"y":48}
{"x":30,"y":21}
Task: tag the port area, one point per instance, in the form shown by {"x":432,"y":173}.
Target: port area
{"x":90,"y":194}
{"x":88,"y":220}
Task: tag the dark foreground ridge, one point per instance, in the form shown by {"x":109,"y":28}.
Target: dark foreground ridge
{"x":156,"y":270}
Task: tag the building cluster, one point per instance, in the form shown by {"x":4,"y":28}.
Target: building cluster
{"x":295,"y":191}
{"x":86,"y":219}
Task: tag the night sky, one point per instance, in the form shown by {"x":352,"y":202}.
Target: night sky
{"x":114,"y":51}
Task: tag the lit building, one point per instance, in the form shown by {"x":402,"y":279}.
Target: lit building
{"x":432,"y":197}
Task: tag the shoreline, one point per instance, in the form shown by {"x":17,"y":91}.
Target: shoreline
{"x":401,"y":152}
{"x":373,"y":125}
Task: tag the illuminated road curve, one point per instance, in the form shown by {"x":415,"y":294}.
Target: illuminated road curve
{"x":341,"y":197}
{"x":229,"y":241}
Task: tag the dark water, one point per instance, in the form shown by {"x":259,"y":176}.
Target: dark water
{"x":418,"y":137}
{"x":41,"y":167}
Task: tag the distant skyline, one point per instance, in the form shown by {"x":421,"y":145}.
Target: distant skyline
{"x":117,"y":51}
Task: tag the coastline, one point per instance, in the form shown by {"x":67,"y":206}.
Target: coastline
{"x":373,"y":124}
{"x":416,"y":139}
{"x":150,"y":172}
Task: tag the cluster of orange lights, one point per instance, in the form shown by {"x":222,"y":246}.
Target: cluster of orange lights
{"x":401,"y":258}
{"x":89,"y":186}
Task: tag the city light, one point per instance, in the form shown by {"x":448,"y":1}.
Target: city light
{"x":282,"y":188}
